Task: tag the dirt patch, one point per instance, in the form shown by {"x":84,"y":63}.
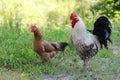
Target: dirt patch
{"x":115,"y":50}
{"x":58,"y":77}
{"x":51,"y":77}
{"x":117,"y":79}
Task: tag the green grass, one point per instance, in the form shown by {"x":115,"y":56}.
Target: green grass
{"x":6,"y":74}
{"x":16,"y":54}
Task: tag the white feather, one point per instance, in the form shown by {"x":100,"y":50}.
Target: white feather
{"x":79,"y":33}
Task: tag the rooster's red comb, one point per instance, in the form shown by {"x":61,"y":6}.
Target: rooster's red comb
{"x":73,"y":14}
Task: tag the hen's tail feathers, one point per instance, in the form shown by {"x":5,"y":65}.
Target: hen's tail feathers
{"x":63,"y":45}
{"x":102,"y":29}
{"x":60,"y":46}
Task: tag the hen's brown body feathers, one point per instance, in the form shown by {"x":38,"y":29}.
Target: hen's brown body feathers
{"x":46,"y":50}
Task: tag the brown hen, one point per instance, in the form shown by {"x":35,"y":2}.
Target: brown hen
{"x":47,"y":50}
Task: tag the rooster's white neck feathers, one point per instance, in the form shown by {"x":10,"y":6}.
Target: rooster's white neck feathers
{"x":79,"y":30}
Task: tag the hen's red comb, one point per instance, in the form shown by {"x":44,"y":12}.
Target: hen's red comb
{"x":73,"y":14}
{"x":32,"y":25}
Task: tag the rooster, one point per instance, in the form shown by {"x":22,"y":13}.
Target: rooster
{"x":47,"y":50}
{"x":88,"y":44}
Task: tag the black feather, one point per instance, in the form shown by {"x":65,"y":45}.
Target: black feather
{"x":63,"y":45}
{"x":102,"y":29}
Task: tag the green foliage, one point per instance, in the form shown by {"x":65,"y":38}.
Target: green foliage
{"x":6,"y":74}
{"x":16,"y":41}
{"x":109,"y":8}
{"x":17,"y":14}
{"x":16,"y":53}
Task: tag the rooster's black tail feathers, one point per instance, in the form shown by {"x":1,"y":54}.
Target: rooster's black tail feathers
{"x":102,"y":29}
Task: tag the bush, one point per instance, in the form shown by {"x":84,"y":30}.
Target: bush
{"x":17,"y":14}
{"x":109,"y":8}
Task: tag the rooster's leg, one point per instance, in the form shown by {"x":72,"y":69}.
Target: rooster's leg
{"x":85,"y":63}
